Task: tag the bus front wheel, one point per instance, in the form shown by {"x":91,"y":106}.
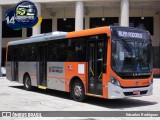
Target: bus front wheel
{"x":77,"y":91}
{"x":27,"y":83}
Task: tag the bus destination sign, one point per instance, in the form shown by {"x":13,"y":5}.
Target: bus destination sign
{"x":128,"y":34}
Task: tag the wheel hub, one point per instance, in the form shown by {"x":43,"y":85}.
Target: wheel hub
{"x":78,"y":91}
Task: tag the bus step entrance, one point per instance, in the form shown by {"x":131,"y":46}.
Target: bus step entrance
{"x":42,"y":87}
{"x":95,"y":86}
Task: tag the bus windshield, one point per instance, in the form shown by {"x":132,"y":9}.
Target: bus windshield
{"x":131,"y":56}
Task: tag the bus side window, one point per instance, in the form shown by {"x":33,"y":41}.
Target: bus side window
{"x":80,"y":52}
{"x":76,"y":50}
{"x":70,"y":53}
{"x":62,"y":54}
{"x":57,"y":50}
{"x":31,"y":53}
{"x":16,"y":53}
{"x":52,"y":53}
{"x":22,"y":53}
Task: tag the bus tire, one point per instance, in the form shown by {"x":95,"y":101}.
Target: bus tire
{"x":27,"y":83}
{"x":77,"y":91}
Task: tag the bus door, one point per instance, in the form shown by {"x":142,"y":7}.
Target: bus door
{"x":14,"y":64}
{"x":42,"y":66}
{"x":95,"y":66}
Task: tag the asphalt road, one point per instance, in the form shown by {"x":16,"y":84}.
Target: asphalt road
{"x":13,"y":97}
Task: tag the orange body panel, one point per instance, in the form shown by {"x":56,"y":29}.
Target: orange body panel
{"x":72,"y":71}
{"x":87,"y":32}
{"x":104,"y":83}
{"x":109,"y":71}
{"x":105,"y":77}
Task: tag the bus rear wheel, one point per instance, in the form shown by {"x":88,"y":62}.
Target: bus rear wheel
{"x":77,"y":91}
{"x":27,"y":83}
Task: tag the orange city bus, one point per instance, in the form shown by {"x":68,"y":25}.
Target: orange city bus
{"x":107,"y":62}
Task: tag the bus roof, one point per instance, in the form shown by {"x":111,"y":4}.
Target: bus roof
{"x":41,"y":37}
{"x":60,"y":35}
{"x":87,"y":32}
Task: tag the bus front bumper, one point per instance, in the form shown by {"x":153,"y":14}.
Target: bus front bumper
{"x":115,"y":92}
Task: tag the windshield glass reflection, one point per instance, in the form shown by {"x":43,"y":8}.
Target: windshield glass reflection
{"x":131,"y":56}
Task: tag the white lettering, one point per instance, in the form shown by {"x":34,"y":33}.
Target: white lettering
{"x":132,"y":115}
{"x":23,"y":6}
{"x":130,"y":34}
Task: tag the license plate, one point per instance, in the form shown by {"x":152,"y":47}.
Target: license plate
{"x":136,"y":92}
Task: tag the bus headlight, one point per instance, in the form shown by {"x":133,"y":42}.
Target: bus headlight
{"x":114,"y":81}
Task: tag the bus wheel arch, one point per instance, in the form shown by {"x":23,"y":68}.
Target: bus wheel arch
{"x":77,"y":89}
{"x":27,"y":81}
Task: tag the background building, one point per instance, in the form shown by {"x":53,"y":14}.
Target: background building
{"x":70,"y":15}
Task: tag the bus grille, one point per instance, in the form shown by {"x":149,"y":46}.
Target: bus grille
{"x":131,"y":93}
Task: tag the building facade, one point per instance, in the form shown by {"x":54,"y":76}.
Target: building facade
{"x":70,"y":15}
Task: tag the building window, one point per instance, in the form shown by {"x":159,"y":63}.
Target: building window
{"x":67,"y":25}
{"x":98,"y":21}
{"x":46,"y":26}
{"x":8,"y":32}
{"x":146,"y":23}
